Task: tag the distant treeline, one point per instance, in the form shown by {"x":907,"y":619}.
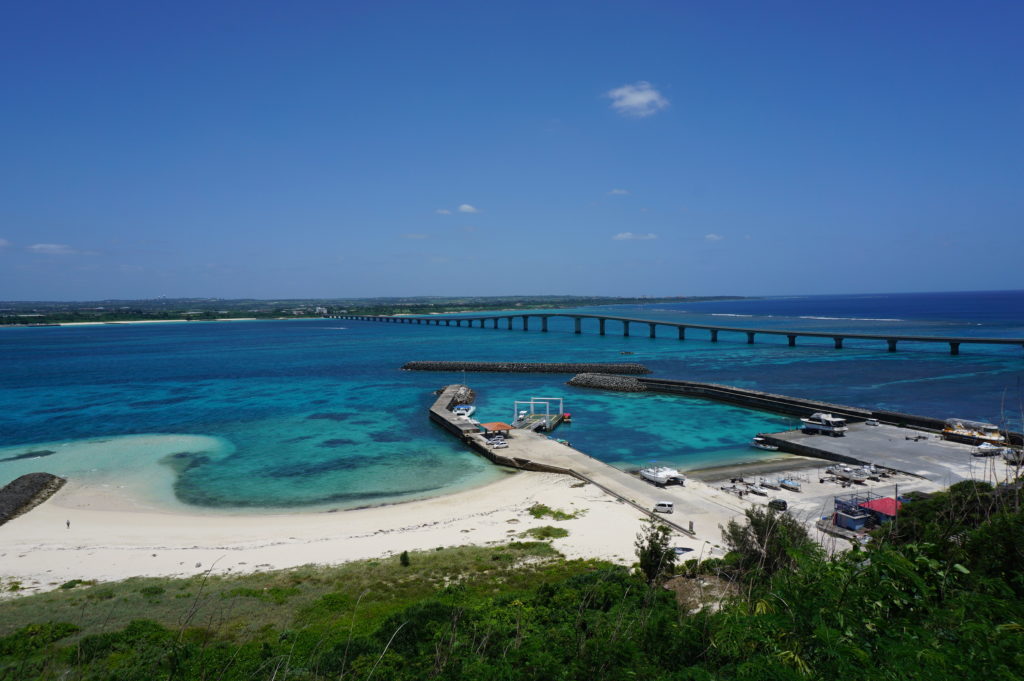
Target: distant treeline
{"x":46,"y":312}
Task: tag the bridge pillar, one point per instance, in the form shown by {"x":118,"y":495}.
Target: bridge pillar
{"x":954,"y":348}
{"x":526,"y":322}
{"x":892,"y":345}
{"x":458,"y":322}
{"x":682,"y":333}
{"x":792,"y":340}
{"x":653,"y":326}
{"x":625,"y":328}
{"x":495,"y":323}
{"x":714,"y":335}
{"x":508,"y":320}
{"x":839,"y":342}
{"x":577,"y":323}
{"x":544,"y":324}
{"x":750,"y":337}
{"x":600,"y":326}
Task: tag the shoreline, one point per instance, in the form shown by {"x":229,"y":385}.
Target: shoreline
{"x":67,"y":537}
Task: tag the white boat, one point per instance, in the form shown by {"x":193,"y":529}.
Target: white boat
{"x":987,"y":449}
{"x":791,"y":485}
{"x":760,"y":443}
{"x":757,"y":489}
{"x":662,"y":475}
{"x":768,"y":484}
{"x":846,"y":473}
{"x":820,"y":422}
{"x":464,"y":410}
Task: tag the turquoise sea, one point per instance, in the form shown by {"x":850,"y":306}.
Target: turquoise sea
{"x":312,"y":414}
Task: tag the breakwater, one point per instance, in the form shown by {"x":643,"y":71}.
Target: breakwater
{"x":777,"y":404}
{"x":23,"y":494}
{"x":529,"y":367}
{"x":625,"y":384}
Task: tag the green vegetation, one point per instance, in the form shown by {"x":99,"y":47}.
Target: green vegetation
{"x":935,"y":596}
{"x":539,"y":511}
{"x":209,"y":309}
{"x":546,"y":532}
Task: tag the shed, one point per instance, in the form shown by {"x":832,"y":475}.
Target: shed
{"x":496,"y":427}
{"x":884,"y":508}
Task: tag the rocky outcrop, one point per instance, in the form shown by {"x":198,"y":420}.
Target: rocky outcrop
{"x":530,"y":367}
{"x":623,"y":384}
{"x":25,"y":493}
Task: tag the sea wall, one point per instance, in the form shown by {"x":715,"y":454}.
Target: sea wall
{"x":529,"y":367}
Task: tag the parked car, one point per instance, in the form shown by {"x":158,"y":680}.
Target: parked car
{"x":778,"y":504}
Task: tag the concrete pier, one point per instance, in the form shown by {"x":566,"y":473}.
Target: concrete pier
{"x":534,"y":452}
{"x":838,"y":341}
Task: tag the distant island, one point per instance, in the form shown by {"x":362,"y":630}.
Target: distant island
{"x":35,"y":313}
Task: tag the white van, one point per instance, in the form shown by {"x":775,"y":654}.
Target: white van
{"x":663,"y":507}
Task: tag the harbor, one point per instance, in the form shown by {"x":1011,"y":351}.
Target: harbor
{"x":806,"y":472}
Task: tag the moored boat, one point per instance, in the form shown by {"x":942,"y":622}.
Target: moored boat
{"x":760,"y":443}
{"x":464,"y":410}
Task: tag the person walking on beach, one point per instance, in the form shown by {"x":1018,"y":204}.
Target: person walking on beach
{"x":68,"y":523}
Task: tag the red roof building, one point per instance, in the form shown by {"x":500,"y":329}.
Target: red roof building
{"x":886,"y":506}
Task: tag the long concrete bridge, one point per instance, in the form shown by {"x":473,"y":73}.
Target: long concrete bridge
{"x":521,"y":321}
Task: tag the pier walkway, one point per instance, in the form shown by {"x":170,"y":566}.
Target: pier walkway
{"x":521,"y":320}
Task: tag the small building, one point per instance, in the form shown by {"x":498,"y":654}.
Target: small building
{"x":883,"y":509}
{"x":863,"y":511}
{"x":496,"y":428}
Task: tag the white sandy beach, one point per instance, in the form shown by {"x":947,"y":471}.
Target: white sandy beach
{"x":40,"y":551}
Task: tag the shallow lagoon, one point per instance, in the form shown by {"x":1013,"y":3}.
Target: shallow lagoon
{"x":316,"y":413}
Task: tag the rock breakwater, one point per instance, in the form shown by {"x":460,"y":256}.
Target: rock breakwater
{"x":25,"y":493}
{"x":607,"y":382}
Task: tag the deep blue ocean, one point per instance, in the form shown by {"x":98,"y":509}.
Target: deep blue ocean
{"x":317,"y":413}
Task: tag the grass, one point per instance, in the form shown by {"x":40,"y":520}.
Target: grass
{"x":545,"y":532}
{"x":305,"y":597}
{"x":543,"y":511}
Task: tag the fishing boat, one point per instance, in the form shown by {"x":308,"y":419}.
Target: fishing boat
{"x":827,"y":424}
{"x":464,"y":410}
{"x":972,"y":429}
{"x":757,"y":489}
{"x":768,"y":484}
{"x":791,"y":485}
{"x":662,"y":475}
{"x":760,"y":443}
{"x":846,"y":473}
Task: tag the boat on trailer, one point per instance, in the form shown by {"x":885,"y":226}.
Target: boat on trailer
{"x":791,"y":485}
{"x":662,"y":475}
{"x":827,"y":424}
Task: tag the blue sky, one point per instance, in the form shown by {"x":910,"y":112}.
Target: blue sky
{"x":322,"y":149}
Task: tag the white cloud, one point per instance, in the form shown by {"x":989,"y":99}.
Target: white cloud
{"x":4,"y":243}
{"x":639,"y":99}
{"x":414,"y":236}
{"x":466,"y":208}
{"x":713,"y":237}
{"x":55,"y":249}
{"x":443,"y":211}
{"x":618,"y":192}
{"x":629,"y":236}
